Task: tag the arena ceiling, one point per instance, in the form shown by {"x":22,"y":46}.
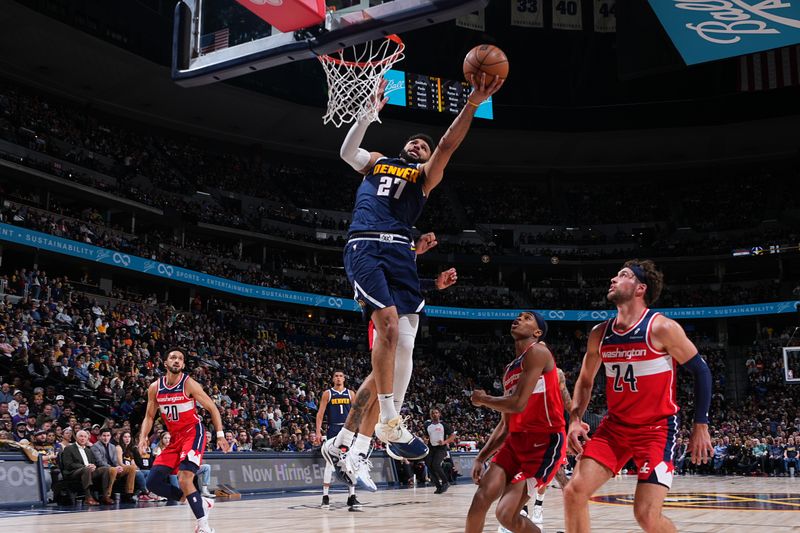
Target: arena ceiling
{"x":52,"y":56}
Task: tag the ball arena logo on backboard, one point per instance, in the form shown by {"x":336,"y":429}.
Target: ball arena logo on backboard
{"x":776,"y":501}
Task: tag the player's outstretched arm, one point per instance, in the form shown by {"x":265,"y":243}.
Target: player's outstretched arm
{"x":667,"y":335}
{"x":323,"y":404}
{"x":147,"y":423}
{"x":196,"y":391}
{"x":351,"y":151}
{"x":578,"y":429}
{"x":433,"y":169}
{"x":535,"y":361}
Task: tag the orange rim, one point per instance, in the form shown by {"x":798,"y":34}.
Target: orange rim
{"x":361,"y":64}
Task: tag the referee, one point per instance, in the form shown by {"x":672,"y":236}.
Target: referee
{"x":440,"y":436}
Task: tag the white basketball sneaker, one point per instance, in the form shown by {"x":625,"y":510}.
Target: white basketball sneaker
{"x":537,"y":515}
{"x":401,"y":444}
{"x":363,"y":477}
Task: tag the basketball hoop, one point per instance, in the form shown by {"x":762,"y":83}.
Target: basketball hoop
{"x":354,"y":75}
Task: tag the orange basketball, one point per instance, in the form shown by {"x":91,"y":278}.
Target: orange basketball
{"x":486,"y":58}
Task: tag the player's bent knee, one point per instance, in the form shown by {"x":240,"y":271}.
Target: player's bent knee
{"x":647,"y":516}
{"x":573,"y":493}
{"x":482,"y":500}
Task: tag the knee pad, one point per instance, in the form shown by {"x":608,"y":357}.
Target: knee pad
{"x":404,"y":357}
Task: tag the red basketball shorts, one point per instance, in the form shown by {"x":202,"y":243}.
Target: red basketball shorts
{"x":185,"y":450}
{"x":651,"y":447}
{"x":532,"y":456}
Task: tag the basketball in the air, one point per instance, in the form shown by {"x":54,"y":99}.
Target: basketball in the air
{"x":486,"y":58}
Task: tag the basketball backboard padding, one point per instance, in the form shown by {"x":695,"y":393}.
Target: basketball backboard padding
{"x":190,"y":68}
{"x":288,"y":15}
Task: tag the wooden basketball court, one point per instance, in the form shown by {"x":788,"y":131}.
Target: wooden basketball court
{"x":696,"y":504}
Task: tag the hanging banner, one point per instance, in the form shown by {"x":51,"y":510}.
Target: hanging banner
{"x":527,"y":13}
{"x":88,"y":252}
{"x":567,"y":15}
{"x":605,"y":16}
{"x":707,"y":30}
{"x":472,"y":21}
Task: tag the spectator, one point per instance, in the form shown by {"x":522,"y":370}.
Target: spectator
{"x":128,"y":455}
{"x":163,"y":442}
{"x":776,"y":456}
{"x":234,"y":446}
{"x":105,"y":454}
{"x":680,"y":456}
{"x":80,"y":465}
{"x":790,"y":459}
{"x":22,"y":413}
{"x":66,"y":439}
{"x":5,"y":393}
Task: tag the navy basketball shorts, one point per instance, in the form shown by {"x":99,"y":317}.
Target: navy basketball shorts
{"x":383,"y":273}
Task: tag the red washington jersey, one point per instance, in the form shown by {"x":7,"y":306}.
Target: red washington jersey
{"x":544,"y":412}
{"x":177,"y":410}
{"x":640,"y":380}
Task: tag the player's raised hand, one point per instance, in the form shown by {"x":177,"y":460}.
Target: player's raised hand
{"x":477,"y":397}
{"x":578,"y":434}
{"x":446,"y":279}
{"x":484,"y":86}
{"x":700,"y":444}
{"x":380,"y":96}
{"x":425,"y":242}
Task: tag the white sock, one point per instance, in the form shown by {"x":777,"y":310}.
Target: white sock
{"x":203,"y":522}
{"x":352,"y":490}
{"x":344,"y":438}
{"x":540,"y":497}
{"x":388,"y":411}
{"x":325,"y":489}
{"x":361,"y":445}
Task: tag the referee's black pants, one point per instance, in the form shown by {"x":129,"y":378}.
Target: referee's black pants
{"x":434,"y":462}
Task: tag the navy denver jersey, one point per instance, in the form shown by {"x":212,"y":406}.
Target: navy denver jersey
{"x":337,"y":410}
{"x":390,"y":198}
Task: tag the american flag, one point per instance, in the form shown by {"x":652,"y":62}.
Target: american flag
{"x":214,"y":41}
{"x":769,"y":70}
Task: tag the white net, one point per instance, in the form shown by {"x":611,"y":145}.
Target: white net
{"x":354,"y":75}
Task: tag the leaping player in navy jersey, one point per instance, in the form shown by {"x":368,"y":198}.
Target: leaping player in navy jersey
{"x":175,"y":395}
{"x":639,"y":351}
{"x":380,"y":263}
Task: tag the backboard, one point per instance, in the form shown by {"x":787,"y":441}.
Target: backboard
{"x":791,"y":364}
{"x":214,"y":40}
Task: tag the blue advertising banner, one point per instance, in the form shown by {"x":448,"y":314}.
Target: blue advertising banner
{"x":51,"y":243}
{"x":707,"y":30}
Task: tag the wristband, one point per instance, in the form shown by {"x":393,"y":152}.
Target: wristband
{"x":472,"y":104}
{"x":220,"y":434}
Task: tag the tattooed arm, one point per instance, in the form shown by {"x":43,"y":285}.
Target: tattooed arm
{"x":565,"y":396}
